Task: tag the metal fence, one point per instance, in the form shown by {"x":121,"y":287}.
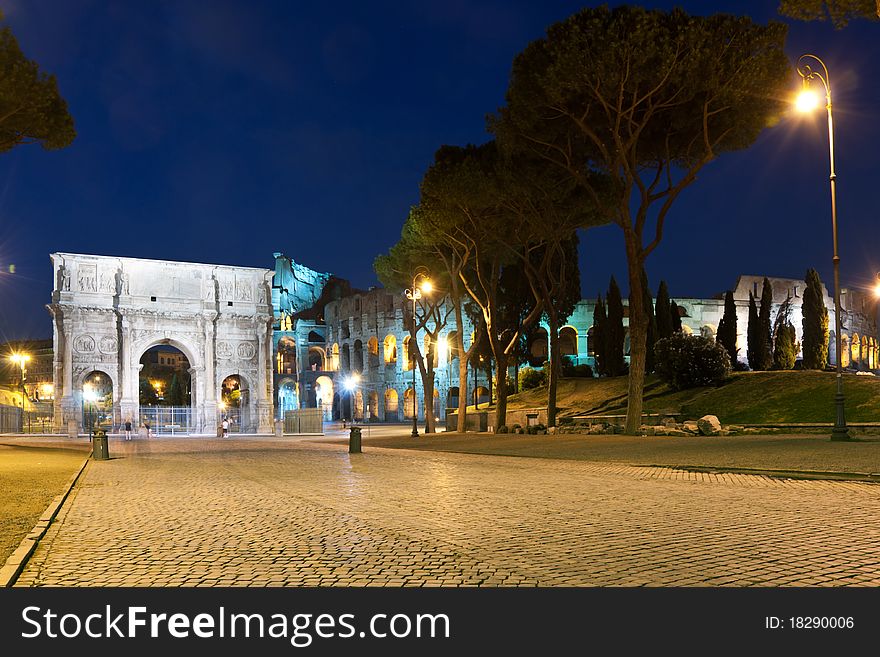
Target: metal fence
{"x":14,"y":420}
{"x":304,"y":420}
{"x":168,"y":420}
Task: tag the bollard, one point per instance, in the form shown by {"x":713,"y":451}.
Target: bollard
{"x":354,"y":441}
{"x":99,"y":445}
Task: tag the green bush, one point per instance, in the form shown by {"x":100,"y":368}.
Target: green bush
{"x":530,"y":378}
{"x":688,"y":361}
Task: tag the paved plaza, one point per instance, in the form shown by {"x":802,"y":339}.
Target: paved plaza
{"x":252,"y":511}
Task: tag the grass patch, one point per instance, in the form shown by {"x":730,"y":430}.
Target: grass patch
{"x":30,"y":477}
{"x":746,"y":398}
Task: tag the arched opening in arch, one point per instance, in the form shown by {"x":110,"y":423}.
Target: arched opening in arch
{"x":452,"y":397}
{"x":235,"y":403}
{"x":358,"y":405}
{"x":373,"y":352}
{"x":856,"y":350}
{"x":357,"y":357}
{"x":436,"y":404}
{"x":288,"y":397}
{"x":390,"y":349}
{"x":286,"y":356}
{"x":97,"y":401}
{"x":430,"y":348}
{"x":334,"y":358}
{"x":452,"y":346}
{"x":865,"y":356}
{"x":345,"y":361}
{"x":373,"y":406}
{"x":538,"y":347}
{"x":164,"y":379}
{"x":407,"y":357}
{"x":409,"y":403}
{"x":568,"y":341}
{"x":324,"y":396}
{"x":392,"y":412}
{"x":844,"y":350}
{"x":317,"y":359}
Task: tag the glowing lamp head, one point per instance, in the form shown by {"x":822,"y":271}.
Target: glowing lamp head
{"x":351,"y":382}
{"x":807,"y":100}
{"x":427,"y":286}
{"x":877,"y":288}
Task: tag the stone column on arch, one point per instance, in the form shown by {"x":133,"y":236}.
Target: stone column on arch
{"x":264,"y":405}
{"x":209,"y":397}
{"x":68,"y":405}
{"x":129,"y":404}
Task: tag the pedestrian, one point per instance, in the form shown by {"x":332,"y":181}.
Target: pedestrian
{"x":128,"y":429}
{"x":225,"y":427}
{"x":147,"y":425}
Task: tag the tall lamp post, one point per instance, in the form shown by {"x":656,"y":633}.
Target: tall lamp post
{"x":812,"y":68}
{"x":414,"y":294}
{"x":20,"y":360}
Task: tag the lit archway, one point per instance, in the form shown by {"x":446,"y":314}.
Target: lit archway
{"x":409,"y":403}
{"x":390,"y":349}
{"x":568,"y":341}
{"x":286,"y":356}
{"x":324,"y":395}
{"x":235,"y":403}
{"x":97,"y":401}
{"x":392,"y":410}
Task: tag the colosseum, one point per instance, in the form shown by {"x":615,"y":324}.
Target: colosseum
{"x":325,"y":331}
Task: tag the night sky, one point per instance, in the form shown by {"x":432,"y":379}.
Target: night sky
{"x":224,"y":131}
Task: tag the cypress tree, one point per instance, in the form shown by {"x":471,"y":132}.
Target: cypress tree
{"x":726,"y":335}
{"x":785,"y":347}
{"x":598,"y":341}
{"x":753,"y":350}
{"x":675,"y":317}
{"x":175,"y":392}
{"x":614,"y":334}
{"x":652,"y":324}
{"x":664,"y":318}
{"x":815,"y":324}
{"x":766,"y":332}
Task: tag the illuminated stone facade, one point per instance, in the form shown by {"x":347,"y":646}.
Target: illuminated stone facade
{"x":363,"y":332}
{"x":108,"y":311}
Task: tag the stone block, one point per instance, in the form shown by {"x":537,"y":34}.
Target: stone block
{"x":709,"y":425}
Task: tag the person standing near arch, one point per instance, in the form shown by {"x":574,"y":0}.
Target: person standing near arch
{"x":225,"y":426}
{"x":128,"y":428}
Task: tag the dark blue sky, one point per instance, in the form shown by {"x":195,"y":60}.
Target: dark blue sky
{"x":223,"y":131}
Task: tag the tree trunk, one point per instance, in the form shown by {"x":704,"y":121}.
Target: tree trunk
{"x":555,"y":366}
{"x":428,"y":387}
{"x":501,"y":403}
{"x":462,"y":387}
{"x":638,"y":333}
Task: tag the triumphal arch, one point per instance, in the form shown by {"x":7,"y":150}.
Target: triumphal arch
{"x":109,"y":311}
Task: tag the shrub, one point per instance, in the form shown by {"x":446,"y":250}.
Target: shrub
{"x":688,"y":361}
{"x":530,"y":378}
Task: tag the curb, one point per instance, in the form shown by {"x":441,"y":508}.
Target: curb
{"x":17,"y":560}
{"x":861,"y":477}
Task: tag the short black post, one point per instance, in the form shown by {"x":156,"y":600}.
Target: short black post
{"x":354,"y":441}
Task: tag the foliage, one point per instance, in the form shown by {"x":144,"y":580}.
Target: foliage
{"x":531,"y":378}
{"x":147,"y":394}
{"x":632,"y":104}
{"x":754,"y":347}
{"x":664,"y":318}
{"x":577,"y":371}
{"x":765,"y":343}
{"x":614,"y":333}
{"x":839,"y":12}
{"x":785,"y":345}
{"x":675,"y":316}
{"x":815,"y":323}
{"x":726,"y":335}
{"x":689,"y":361}
{"x":31,"y":109}
{"x":176,"y":395}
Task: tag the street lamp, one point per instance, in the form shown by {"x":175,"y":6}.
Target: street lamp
{"x":414,"y":294}
{"x":20,"y":360}
{"x":350,"y":384}
{"x":807,"y":101}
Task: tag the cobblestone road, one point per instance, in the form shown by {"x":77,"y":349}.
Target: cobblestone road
{"x":259,"y":512}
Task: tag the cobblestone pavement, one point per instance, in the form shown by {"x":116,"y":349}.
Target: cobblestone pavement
{"x":289,"y":512}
